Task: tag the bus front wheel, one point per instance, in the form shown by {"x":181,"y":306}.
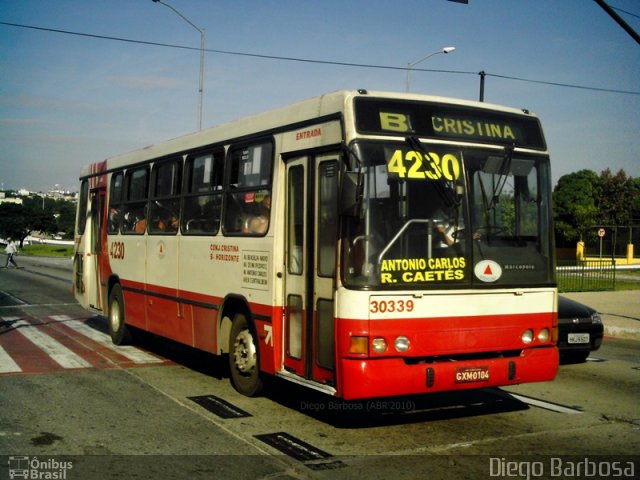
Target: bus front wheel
{"x":120,"y":334}
{"x":243,"y":358}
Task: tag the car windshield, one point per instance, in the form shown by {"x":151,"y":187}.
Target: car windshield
{"x":434,"y":215}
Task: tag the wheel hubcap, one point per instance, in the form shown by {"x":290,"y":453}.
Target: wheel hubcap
{"x":244,"y":352}
{"x":114,"y":316}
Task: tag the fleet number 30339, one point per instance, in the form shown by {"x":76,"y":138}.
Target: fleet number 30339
{"x":391,"y":306}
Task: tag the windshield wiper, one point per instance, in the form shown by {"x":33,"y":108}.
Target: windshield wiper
{"x":503,"y":174}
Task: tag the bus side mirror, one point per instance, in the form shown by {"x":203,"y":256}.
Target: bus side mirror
{"x":351,"y":194}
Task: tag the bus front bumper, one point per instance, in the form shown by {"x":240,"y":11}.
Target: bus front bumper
{"x":370,"y":378}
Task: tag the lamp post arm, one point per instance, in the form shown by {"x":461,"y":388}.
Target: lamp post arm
{"x":180,"y":15}
{"x":413,"y":64}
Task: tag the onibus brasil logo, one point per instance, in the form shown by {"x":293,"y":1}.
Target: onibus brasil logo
{"x":36,"y":469}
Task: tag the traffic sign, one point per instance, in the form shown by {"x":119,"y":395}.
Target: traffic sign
{"x":601,"y":232}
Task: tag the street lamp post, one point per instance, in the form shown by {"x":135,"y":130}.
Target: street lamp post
{"x":413,"y":64}
{"x":201,"y":80}
{"x":482,"y":75}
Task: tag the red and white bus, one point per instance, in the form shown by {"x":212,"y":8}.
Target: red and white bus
{"x":363,"y":244}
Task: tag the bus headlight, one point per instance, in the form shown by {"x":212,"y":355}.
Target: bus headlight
{"x":379,"y":345}
{"x":402,"y":344}
{"x":527,"y":336}
{"x":543,"y":335}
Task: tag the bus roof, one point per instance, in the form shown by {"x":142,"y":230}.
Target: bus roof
{"x":327,"y":105}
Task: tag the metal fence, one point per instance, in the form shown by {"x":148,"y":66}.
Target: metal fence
{"x":586,"y":275}
{"x":611,"y":241}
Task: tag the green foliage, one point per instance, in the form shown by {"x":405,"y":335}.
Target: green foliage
{"x":616,"y":193}
{"x":583,"y":200}
{"x":635,"y":202}
{"x":14,"y":221}
{"x":63,"y":213}
{"x":36,"y":214}
{"x":574,"y":200}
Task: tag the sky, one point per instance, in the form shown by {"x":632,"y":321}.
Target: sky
{"x":68,"y":100}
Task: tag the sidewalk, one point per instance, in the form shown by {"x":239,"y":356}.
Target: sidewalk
{"x":62,"y":263}
{"x":620,"y":310}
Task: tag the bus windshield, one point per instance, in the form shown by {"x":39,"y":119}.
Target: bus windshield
{"x":454,"y":216}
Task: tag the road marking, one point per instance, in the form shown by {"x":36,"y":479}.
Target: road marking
{"x":14,"y":301}
{"x":536,"y":402}
{"x":132,"y":353}
{"x":595,"y":359}
{"x":7,"y":365}
{"x":57,"y":351}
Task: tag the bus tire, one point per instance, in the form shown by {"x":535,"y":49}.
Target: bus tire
{"x":243,"y":358}
{"x":120,"y":333}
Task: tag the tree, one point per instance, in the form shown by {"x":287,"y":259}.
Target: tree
{"x":65,"y":216}
{"x":62,"y":211}
{"x":575,"y":201}
{"x":635,"y":203}
{"x":14,"y":222}
{"x":616,"y":198}
{"x":18,"y":221}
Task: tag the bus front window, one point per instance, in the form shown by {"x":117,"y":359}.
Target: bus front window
{"x":430,"y":215}
{"x":411,"y":229}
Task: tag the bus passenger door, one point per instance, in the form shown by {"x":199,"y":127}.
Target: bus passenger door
{"x":310,"y":247}
{"x":93,"y":254}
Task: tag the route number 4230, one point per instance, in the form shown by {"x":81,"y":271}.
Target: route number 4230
{"x":416,"y":165}
{"x":117,"y":250}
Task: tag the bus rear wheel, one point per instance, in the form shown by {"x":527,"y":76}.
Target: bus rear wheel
{"x":120,"y":333}
{"x":243,"y":358}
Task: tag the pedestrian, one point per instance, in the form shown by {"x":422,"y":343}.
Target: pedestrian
{"x":11,"y":250}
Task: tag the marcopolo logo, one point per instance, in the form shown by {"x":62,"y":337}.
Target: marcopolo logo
{"x":36,"y":469}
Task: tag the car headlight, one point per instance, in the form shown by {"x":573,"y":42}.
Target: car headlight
{"x":595,"y":318}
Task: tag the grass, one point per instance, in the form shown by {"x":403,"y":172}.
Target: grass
{"x":624,"y":285}
{"x":628,"y":280}
{"x":61,"y":251}
{"x":594,"y":281}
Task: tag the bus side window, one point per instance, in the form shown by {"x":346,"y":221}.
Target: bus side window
{"x":203,"y":193}
{"x":134,"y":213}
{"x":233,"y":214}
{"x":248,"y":201}
{"x":115,"y":202}
{"x":164,"y":208}
{"x":82,"y":207}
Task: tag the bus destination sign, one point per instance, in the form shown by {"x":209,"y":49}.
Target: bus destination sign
{"x":380,"y":116}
